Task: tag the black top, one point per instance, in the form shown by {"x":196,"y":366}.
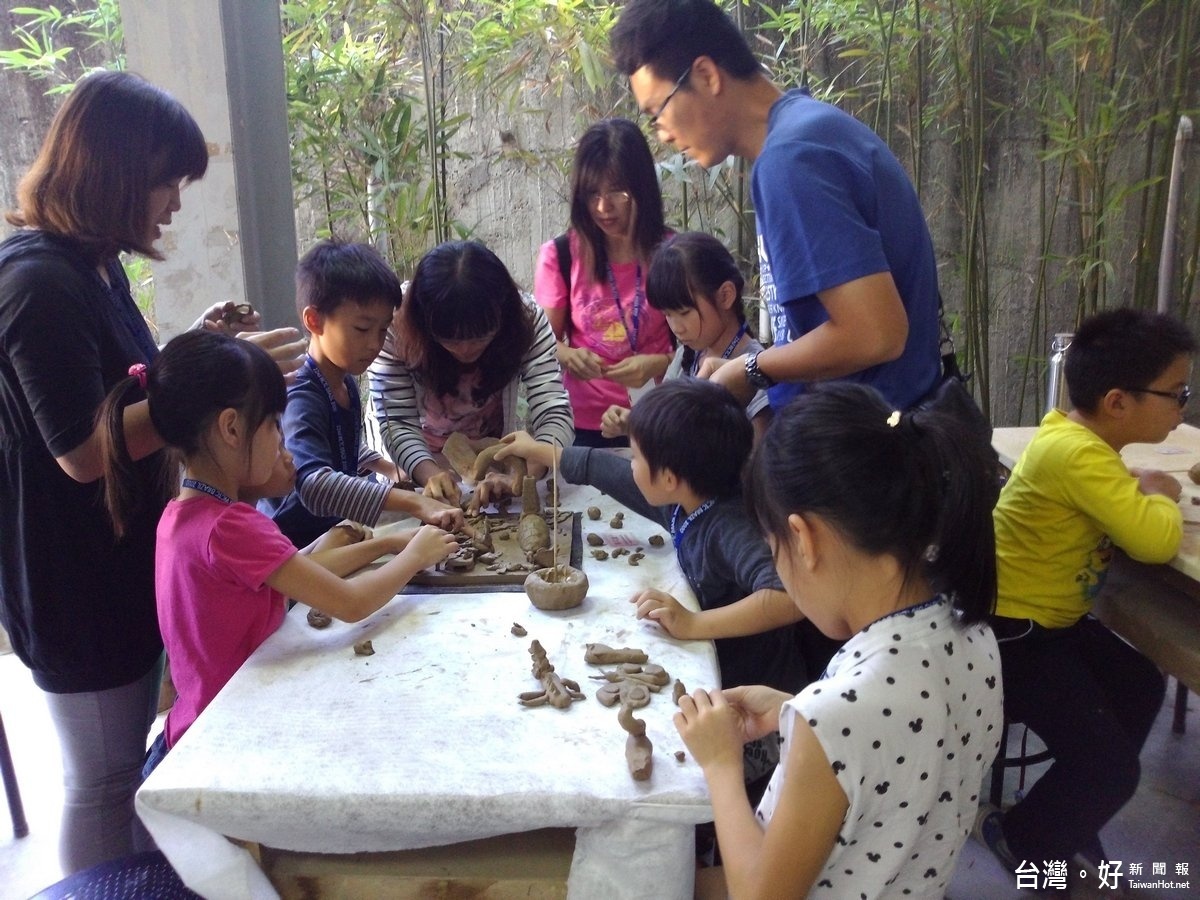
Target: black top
{"x":77,"y":603}
{"x":724,"y":559}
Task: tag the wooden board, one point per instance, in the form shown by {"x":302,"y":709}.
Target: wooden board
{"x":570,"y":552}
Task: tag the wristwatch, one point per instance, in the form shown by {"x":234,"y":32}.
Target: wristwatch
{"x":757,"y":378}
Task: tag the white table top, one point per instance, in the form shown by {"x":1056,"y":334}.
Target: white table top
{"x":1178,"y":453}
{"x":312,"y":748}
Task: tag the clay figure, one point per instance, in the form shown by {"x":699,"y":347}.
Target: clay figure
{"x":558,"y":692}
{"x":558,"y":587}
{"x":318,"y":619}
{"x":602,"y":654}
{"x":638,"y":749}
{"x":628,"y":693}
{"x":364,"y":648}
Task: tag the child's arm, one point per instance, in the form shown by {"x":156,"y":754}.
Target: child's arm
{"x":428,"y":510}
{"x":761,"y":611}
{"x":347,"y":558}
{"x":352,"y":599}
{"x":785,"y":859}
{"x":522,"y":444}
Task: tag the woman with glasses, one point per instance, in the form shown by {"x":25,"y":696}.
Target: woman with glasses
{"x":592,"y":281}
{"x":462,"y":345}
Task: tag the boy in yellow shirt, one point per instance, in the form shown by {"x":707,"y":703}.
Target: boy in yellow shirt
{"x":1087,"y":694}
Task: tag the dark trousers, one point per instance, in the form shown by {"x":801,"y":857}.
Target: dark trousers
{"x":1092,"y":699}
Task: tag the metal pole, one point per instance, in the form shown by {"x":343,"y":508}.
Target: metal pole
{"x":1166,"y":259}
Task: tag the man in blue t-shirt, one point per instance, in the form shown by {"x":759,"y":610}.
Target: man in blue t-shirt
{"x":847,"y":263}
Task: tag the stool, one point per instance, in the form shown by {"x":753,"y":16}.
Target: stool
{"x":11,"y":790}
{"x":1021,"y":760}
{"x":143,"y":876}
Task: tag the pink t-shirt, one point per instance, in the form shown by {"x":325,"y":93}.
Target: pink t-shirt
{"x":214,"y":609}
{"x":598,"y":325}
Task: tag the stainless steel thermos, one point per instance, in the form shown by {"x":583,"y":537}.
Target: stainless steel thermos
{"x":1056,"y":374}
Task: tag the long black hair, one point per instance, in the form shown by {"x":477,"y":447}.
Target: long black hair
{"x":916,"y":486}
{"x":196,"y":376}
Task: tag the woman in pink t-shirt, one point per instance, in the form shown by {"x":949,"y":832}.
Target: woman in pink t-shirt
{"x":610,"y":338}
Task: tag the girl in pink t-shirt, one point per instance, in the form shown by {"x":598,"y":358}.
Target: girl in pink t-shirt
{"x":610,"y":338}
{"x":223,"y":570}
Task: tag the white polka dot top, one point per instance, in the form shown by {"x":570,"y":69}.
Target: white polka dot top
{"x":909,"y":715}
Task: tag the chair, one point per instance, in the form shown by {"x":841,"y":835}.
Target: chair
{"x":11,"y":790}
{"x":1021,"y":760}
{"x":143,"y":876}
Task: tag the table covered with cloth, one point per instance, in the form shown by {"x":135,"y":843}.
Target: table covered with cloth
{"x":313,"y":748}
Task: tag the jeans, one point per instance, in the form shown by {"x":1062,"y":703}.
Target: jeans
{"x":1092,"y":699}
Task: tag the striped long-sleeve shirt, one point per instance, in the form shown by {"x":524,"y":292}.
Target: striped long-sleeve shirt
{"x":398,"y":398}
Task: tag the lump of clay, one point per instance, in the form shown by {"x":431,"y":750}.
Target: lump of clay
{"x":518,"y":629}
{"x":593,"y":513}
{"x":1194,"y":473}
{"x":594,"y":540}
{"x":602,"y":654}
{"x":678,"y":691}
{"x":533,"y":533}
{"x":617,"y":521}
{"x":558,"y":587}
{"x":639,"y":752}
{"x":657,"y":540}
{"x":531,"y":503}
{"x":600,"y":555}
{"x":364,"y":648}
{"x":318,"y":619}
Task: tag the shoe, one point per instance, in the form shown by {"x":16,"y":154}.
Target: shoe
{"x":989,"y":832}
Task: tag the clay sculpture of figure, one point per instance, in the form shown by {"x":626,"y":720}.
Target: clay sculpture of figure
{"x":639,"y":752}
{"x":602,"y":654}
{"x":631,"y":684}
{"x":558,"y":692}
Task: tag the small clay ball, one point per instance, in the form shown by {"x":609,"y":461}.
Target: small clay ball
{"x":680,"y":756}
{"x":518,"y":629}
{"x":656,"y":540}
{"x":594,"y":540}
{"x":616,"y":522}
{"x":601,"y":555}
{"x":593,"y":513}
{"x":1194,"y":473}
{"x":364,"y":648}
{"x":318,"y":619}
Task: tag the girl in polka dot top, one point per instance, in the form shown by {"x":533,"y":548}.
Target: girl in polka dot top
{"x":881,"y":527}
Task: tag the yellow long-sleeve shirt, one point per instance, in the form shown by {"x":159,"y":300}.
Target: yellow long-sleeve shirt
{"x":1069,"y":500}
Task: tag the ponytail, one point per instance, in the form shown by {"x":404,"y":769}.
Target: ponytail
{"x":916,"y":486}
{"x":126,"y":491}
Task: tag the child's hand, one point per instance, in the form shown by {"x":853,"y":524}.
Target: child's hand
{"x":634,"y":371}
{"x":711,"y":728}
{"x":443,"y":486}
{"x":522,"y":444}
{"x":1152,"y":481}
{"x":580,"y":362}
{"x":430,"y":545}
{"x":615,"y":422}
{"x":661,"y":607}
{"x":495,"y":486}
{"x":758,"y":706}
{"x":434,"y":512}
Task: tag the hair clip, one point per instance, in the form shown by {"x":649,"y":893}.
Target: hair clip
{"x":931,"y":553}
{"x":138,"y":371}
{"x":894,"y":419}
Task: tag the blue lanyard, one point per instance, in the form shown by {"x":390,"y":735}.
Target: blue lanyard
{"x":336,"y":412}
{"x":737,"y":339}
{"x":638,"y":296}
{"x":677,"y":532}
{"x":207,"y":488}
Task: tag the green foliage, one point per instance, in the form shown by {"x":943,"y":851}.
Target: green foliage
{"x":47,"y":41}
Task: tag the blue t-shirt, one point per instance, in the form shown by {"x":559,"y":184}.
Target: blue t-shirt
{"x":833,"y":204}
{"x":311,"y":434}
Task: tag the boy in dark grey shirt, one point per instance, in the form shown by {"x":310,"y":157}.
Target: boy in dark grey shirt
{"x":690,"y":439}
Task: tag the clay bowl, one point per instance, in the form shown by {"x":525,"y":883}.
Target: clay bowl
{"x":560,"y":587}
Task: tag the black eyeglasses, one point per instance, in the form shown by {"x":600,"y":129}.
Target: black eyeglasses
{"x":1181,"y":397}
{"x":675,"y":90}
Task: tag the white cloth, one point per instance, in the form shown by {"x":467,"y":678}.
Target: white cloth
{"x":312,"y":748}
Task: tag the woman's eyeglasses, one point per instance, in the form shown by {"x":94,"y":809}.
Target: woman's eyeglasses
{"x":612,"y":199}
{"x":1181,"y":396}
